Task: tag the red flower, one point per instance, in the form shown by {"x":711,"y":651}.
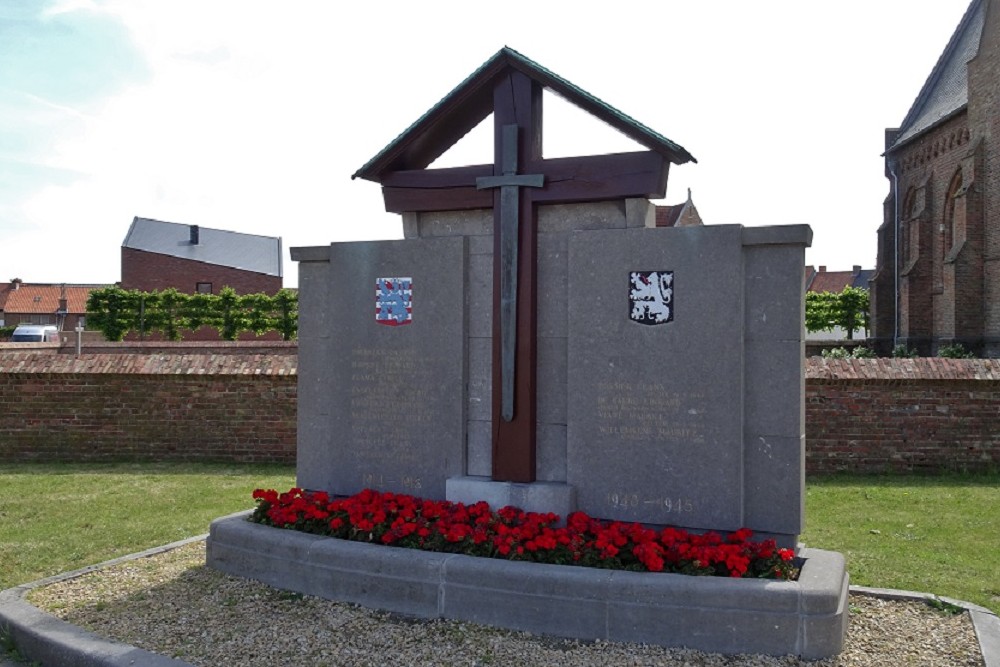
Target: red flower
{"x":406,"y":521}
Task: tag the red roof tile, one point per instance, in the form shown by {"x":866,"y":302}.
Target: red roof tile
{"x":666,"y":216}
{"x":831,"y":281}
{"x":45,"y":298}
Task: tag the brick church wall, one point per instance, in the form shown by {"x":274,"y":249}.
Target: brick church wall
{"x":951,"y":293}
{"x":862,"y":415}
{"x":924,"y":170}
{"x":984,"y":123}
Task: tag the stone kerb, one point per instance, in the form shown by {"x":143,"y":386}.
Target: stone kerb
{"x":805,"y":617}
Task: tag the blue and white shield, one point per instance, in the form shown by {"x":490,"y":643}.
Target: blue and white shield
{"x":394,"y":301}
{"x":651,"y":297}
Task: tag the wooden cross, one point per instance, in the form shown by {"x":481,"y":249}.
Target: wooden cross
{"x":519,"y":180}
{"x":509,"y":184}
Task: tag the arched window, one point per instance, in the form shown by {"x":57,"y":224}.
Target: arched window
{"x":949,"y":226}
{"x":907,"y":230}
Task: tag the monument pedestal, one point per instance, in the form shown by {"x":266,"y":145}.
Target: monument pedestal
{"x":807,"y":617}
{"x":534,"y":497}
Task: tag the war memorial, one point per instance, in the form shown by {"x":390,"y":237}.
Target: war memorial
{"x":535,"y":340}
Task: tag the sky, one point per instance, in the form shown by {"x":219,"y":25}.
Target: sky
{"x":252,"y":115}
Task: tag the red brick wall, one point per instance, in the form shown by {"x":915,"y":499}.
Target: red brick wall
{"x":148,"y":271}
{"x":243,"y":347}
{"x":862,"y":415}
{"x":902,"y":415}
{"x":150,"y":408}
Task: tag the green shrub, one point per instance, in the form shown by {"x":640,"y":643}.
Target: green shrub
{"x":7,"y":332}
{"x":956,"y":351}
{"x":860,"y":352}
{"x":115,"y":312}
{"x":903,"y":352}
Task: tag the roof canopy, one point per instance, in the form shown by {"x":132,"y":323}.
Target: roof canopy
{"x":473,"y":100}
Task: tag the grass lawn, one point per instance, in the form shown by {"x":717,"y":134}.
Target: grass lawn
{"x":60,"y":517}
{"x":932,"y":534}
{"x":937,"y":534}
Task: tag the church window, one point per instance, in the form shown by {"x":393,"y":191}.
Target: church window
{"x":949,"y":211}
{"x":908,"y":228}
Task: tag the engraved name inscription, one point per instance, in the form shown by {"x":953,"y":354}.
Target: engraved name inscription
{"x":636,"y":411}
{"x":388,"y":405}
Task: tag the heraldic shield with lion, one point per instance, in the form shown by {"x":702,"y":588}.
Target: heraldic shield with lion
{"x":651,"y":297}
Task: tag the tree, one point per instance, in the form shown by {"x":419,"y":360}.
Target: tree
{"x":852,"y":310}
{"x":113,"y":311}
{"x":286,"y":313}
{"x":848,"y":310}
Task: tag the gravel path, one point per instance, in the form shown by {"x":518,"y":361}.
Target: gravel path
{"x":172,"y":604}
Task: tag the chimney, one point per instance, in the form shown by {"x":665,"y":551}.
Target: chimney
{"x":857,"y":268}
{"x":822,"y":269}
{"x":194,"y":234}
{"x":15,"y":284}
{"x":63,"y":302}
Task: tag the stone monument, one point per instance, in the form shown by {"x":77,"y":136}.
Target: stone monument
{"x":535,"y":340}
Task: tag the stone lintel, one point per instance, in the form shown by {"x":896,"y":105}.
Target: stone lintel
{"x":778,"y":235}
{"x":316,"y":253}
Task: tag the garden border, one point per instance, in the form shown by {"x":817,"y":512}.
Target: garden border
{"x":52,"y":638}
{"x":717,"y":614}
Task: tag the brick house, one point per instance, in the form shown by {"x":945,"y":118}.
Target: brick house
{"x":937,"y":278}
{"x":157,"y":255}
{"x":63,"y":305}
{"x":678,"y":215}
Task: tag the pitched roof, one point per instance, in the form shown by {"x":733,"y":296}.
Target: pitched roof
{"x":260,"y":254}
{"x":831,"y":281}
{"x":836,"y":281}
{"x":44,"y":299}
{"x":472,"y":101}
{"x":863,"y":278}
{"x":946,"y":91}
{"x":678,"y":215}
{"x":666,"y":216}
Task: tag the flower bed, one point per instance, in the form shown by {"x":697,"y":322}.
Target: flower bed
{"x":510,"y":533}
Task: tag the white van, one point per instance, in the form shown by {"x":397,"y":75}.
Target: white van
{"x":35,"y":333}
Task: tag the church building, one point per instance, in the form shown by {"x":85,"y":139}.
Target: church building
{"x":937,"y":279}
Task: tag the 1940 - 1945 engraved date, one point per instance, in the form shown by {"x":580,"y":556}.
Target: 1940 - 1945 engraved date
{"x":624,"y":500}
{"x":378,"y":480}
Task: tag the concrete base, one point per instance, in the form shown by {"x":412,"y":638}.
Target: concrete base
{"x":540,"y":497}
{"x":807,"y":617}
